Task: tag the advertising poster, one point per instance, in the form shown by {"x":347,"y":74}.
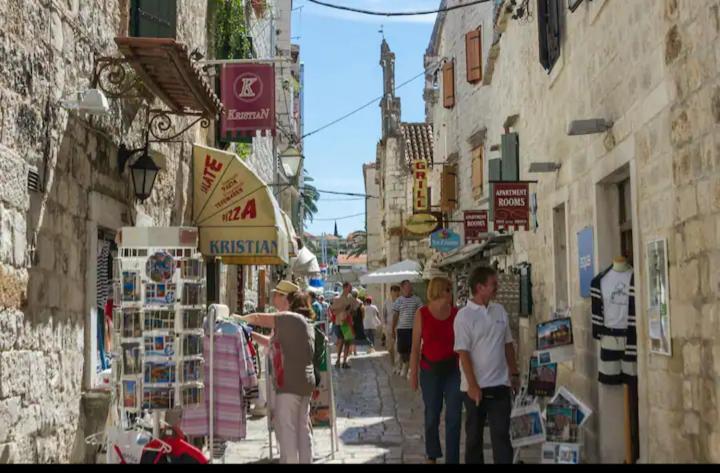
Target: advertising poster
{"x":585,"y":260}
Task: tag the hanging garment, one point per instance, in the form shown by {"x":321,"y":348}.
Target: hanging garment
{"x":233,"y":375}
{"x":614,"y":325}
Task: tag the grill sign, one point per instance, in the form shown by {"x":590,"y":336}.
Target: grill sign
{"x":248,"y":94}
{"x":421,"y":199}
{"x":512,"y":205}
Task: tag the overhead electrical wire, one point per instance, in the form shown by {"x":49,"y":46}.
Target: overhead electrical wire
{"x":401,"y":13}
{"x":338,"y":218}
{"x":362,"y":107}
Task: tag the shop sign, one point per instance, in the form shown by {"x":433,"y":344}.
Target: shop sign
{"x":585,"y":260}
{"x":421,"y":197}
{"x":476,"y":225}
{"x":248,"y":95}
{"x":445,"y":240}
{"x":421,"y":224}
{"x":511,"y":205}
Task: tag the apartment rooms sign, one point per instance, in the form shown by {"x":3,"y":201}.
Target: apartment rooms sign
{"x":511,"y":205}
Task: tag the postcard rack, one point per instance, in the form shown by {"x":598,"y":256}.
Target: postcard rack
{"x":159,"y":293}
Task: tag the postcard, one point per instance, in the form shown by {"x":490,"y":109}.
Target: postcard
{"x":192,"y":345}
{"x":130,"y":287}
{"x":160,"y":267}
{"x":130,"y":394}
{"x":159,"y":372}
{"x":191,"y":268}
{"x":131,"y":358}
{"x":192,"y":395}
{"x":526,"y":426}
{"x":192,"y":294}
{"x":568,"y":454}
{"x":554,"y":333}
{"x":542,"y":378}
{"x":158,"y":398}
{"x":564,"y":397}
{"x":159,"y":345}
{"x":561,"y":423}
{"x":192,"y":371}
{"x":193,"y":319}
{"x":131,"y":323}
{"x":160,"y":293}
{"x":159,"y":320}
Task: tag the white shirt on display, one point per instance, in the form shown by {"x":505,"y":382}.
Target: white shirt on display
{"x":484,"y":332}
{"x":615,"y":288}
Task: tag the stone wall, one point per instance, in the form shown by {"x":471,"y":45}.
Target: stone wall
{"x":47,"y":237}
{"x":652,"y":68}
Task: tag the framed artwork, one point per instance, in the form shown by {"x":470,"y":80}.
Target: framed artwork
{"x":658,"y":298}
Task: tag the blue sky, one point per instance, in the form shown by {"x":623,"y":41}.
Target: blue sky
{"x":341,"y":53}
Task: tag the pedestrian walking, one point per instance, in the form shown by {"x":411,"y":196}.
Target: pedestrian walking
{"x":434,"y":364}
{"x":317,"y":306}
{"x":404,"y":310}
{"x":343,"y":307}
{"x":371,"y":322}
{"x":489,"y":370}
{"x":358,"y":326}
{"x":291,"y":353}
{"x":388,"y":319}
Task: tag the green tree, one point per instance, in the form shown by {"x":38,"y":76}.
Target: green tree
{"x":359,"y":244}
{"x":310,"y":198}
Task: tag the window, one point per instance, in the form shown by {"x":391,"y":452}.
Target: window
{"x":153,"y":18}
{"x":449,"y":84}
{"x":548,"y":13}
{"x":478,"y":172}
{"x":473,"y":55}
{"x":510,"y":154}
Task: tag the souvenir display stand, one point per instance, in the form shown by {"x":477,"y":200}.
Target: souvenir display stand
{"x":559,"y":415}
{"x":159,"y":296}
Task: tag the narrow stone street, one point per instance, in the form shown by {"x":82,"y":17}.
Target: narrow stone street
{"x":379,"y":420}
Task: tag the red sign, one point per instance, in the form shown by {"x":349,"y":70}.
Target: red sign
{"x":248,"y":94}
{"x":476,"y":225}
{"x":512,"y":205}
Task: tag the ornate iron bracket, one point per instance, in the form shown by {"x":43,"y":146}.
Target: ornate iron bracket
{"x":160,"y":125}
{"x":114,"y":77}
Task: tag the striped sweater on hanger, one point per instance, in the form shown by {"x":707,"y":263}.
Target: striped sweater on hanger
{"x":614,"y":325}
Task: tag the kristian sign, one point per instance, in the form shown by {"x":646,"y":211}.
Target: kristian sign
{"x":248,"y":94}
{"x":421,"y":197}
{"x":512,"y":205}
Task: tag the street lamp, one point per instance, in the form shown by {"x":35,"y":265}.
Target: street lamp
{"x":143,"y":171}
{"x":291,"y":159}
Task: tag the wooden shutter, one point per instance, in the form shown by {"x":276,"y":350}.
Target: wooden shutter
{"x":548,"y":13}
{"x":448,"y":191}
{"x":473,"y":55}
{"x":510,"y":152}
{"x":478,"y":172}
{"x":449,"y":84}
{"x":153,"y":18}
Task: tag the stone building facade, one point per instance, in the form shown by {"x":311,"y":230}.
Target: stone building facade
{"x":62,"y":198}
{"x":652,"y":68}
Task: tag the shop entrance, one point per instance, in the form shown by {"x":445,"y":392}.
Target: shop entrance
{"x":619,"y":434}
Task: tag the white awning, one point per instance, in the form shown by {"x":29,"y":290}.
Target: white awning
{"x":305,"y":263}
{"x":394,"y":273}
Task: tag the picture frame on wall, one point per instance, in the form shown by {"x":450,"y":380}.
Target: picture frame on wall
{"x":659,"y":331}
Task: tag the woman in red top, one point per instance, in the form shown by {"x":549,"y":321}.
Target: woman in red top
{"x":434,"y":364}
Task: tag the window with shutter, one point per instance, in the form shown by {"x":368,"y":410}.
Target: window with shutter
{"x":549,"y":31}
{"x":449,"y":84}
{"x":473,"y":54}
{"x":153,"y":18}
{"x":478,"y":172}
{"x":448,"y":191}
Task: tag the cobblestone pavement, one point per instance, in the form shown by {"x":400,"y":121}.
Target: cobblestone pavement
{"x":379,"y":420}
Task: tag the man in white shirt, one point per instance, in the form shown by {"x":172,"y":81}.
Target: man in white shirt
{"x":388,"y":316}
{"x":487,"y":357}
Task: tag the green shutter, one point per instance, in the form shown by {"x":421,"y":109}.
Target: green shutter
{"x":494,"y":174}
{"x":510,"y":152}
{"x":153,"y":18}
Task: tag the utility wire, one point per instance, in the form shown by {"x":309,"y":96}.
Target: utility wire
{"x":338,"y":218}
{"x":402,"y":13}
{"x":343,"y":193}
{"x":347,"y":115}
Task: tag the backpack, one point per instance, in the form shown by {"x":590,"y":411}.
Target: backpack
{"x":319,"y":353}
